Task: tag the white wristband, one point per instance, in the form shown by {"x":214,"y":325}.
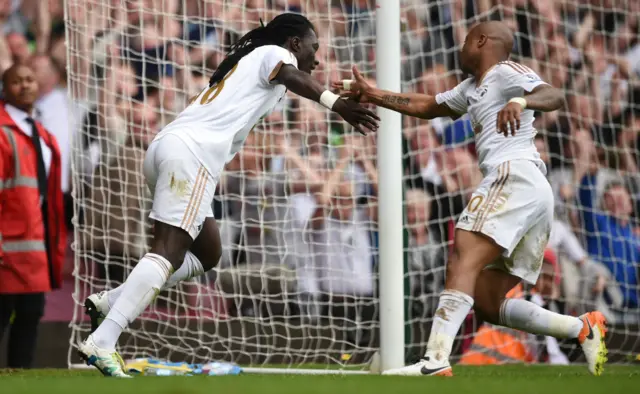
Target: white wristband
{"x":519,"y":100}
{"x":327,"y":99}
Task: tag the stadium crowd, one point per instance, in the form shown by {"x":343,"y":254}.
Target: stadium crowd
{"x":297,"y":206}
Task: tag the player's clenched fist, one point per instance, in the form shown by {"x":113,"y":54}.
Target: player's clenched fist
{"x":508,"y":118}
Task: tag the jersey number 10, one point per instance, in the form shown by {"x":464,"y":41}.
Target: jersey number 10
{"x":213,"y":91}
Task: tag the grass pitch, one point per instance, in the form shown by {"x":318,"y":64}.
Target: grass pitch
{"x":513,"y":379}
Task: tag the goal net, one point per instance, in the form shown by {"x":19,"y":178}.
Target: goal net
{"x":297,"y":284}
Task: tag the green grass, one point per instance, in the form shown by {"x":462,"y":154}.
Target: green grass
{"x":493,"y":379}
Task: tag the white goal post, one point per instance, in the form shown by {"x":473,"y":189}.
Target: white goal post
{"x":353,"y":290}
{"x":390,"y":171}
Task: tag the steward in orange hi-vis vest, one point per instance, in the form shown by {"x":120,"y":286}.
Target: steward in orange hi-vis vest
{"x":499,"y":345}
{"x":32,"y":227}
{"x":26,"y":266}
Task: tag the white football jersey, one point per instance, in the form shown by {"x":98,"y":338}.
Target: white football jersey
{"x":218,"y":120}
{"x":483,"y":100}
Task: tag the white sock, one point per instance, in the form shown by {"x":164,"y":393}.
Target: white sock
{"x":113,"y":294}
{"x":139,"y":290}
{"x":453,"y":308}
{"x":529,"y":317}
{"x":190,"y":268}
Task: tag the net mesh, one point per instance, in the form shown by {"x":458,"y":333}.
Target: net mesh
{"x":285,"y":296}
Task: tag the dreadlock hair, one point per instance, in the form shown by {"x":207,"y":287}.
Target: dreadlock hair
{"x":275,"y":32}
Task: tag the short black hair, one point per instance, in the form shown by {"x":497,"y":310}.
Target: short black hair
{"x":276,"y":32}
{"x":9,"y":71}
{"x":6,"y":73}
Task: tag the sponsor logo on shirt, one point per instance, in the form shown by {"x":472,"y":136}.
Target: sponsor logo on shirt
{"x":533,"y":77}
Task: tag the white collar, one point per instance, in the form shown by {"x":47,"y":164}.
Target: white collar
{"x":17,"y":113}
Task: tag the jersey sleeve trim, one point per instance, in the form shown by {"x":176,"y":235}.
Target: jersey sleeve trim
{"x":529,"y":88}
{"x":442,"y":101}
{"x":275,"y":71}
{"x":455,"y":98}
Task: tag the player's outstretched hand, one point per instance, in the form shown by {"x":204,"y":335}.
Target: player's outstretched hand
{"x":361,"y":118}
{"x":356,"y":89}
{"x":509,"y":119}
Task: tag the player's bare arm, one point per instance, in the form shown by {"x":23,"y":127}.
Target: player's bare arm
{"x":544,"y":98}
{"x":412,"y":104}
{"x":304,"y":85}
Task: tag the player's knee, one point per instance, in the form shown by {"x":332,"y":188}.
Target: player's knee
{"x":488,"y":310}
{"x":461,"y":263}
{"x":208,"y":245}
{"x":492,"y":288}
{"x":171,"y":242}
{"x":174,"y":253}
{"x":212,"y":261}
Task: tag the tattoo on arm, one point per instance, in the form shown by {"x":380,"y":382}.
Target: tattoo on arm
{"x":389,"y":99}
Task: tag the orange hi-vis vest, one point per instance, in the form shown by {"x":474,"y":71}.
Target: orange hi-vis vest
{"x":499,"y":345}
{"x":25,"y":264}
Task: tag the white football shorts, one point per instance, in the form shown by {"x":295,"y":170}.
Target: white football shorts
{"x":513,"y":205}
{"x":181,"y":188}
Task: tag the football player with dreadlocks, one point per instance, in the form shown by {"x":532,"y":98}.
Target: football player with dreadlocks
{"x":184,"y":162}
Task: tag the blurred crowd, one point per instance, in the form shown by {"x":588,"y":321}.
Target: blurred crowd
{"x":298,"y":205}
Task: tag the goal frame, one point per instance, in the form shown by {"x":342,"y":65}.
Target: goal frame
{"x":390,"y":210}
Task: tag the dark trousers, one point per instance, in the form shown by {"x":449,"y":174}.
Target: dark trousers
{"x":27,"y":310}
{"x":68,"y":211}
